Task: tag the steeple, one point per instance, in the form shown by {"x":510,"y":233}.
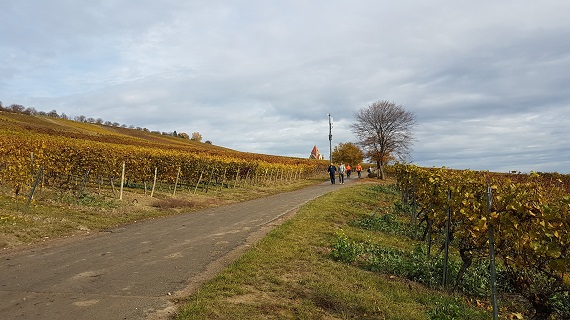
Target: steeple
{"x":315,"y":154}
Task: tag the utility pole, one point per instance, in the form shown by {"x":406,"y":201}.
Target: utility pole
{"x":330,"y":138}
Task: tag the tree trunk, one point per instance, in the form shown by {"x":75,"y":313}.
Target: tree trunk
{"x":467,"y":258}
{"x":381,"y":169}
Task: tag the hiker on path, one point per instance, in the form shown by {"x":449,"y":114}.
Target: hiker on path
{"x":341,"y":172}
{"x":332,"y":173}
{"x":348,"y":171}
{"x":358,"y":169}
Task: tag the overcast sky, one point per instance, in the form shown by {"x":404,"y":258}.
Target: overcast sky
{"x":489,"y":81}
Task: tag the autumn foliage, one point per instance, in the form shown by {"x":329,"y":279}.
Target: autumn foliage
{"x":530,"y":214}
{"x":65,"y":148}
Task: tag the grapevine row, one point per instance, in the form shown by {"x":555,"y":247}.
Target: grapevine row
{"x":61,"y":157}
{"x":530,"y":215}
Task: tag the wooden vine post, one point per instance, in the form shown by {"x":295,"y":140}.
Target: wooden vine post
{"x":34,"y":187}
{"x":492,"y":257}
{"x":176,"y":182}
{"x":199,"y":180}
{"x":236,"y":179}
{"x":447,"y":231}
{"x":430,"y":223}
{"x":122,"y":182}
{"x":153,"y":182}
{"x":83,"y":183}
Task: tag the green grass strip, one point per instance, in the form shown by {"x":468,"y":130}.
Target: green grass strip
{"x":291,"y":274}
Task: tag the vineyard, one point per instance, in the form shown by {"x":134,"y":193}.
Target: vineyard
{"x":60,"y":178}
{"x":522,"y":220}
{"x":68,"y":155}
{"x":519,"y":223}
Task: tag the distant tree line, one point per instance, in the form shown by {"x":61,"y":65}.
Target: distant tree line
{"x":18,"y":108}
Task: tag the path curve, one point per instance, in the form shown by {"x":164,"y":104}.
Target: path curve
{"x":138,"y":271}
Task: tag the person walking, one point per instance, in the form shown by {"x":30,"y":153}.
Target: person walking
{"x":332,"y":173}
{"x":348,"y":171}
{"x":358,"y":169}
{"x":341,"y":171}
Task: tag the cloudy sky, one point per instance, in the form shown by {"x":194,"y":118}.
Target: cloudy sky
{"x":488,"y":80}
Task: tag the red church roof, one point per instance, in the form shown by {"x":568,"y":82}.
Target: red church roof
{"x":315,"y":154}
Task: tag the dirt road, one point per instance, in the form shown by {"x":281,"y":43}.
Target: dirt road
{"x":135,"y":272}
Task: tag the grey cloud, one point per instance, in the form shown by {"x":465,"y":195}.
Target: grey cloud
{"x":487,"y":81}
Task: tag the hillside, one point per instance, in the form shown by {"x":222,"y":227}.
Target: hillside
{"x":64,"y":149}
{"x":24,"y":124}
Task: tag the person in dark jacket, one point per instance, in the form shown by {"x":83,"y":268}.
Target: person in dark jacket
{"x":332,"y":173}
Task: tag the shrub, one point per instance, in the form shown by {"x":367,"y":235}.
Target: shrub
{"x":416,"y":266}
{"x":344,"y":250}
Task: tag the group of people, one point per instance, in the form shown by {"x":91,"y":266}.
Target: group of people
{"x":342,"y":170}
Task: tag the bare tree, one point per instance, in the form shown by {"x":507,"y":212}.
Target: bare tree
{"x":30,"y":111}
{"x":385,"y":132}
{"x":53,"y":114}
{"x":17,"y":108}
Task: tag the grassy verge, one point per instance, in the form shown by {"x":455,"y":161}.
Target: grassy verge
{"x":55,"y":214}
{"x":290,"y":274}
